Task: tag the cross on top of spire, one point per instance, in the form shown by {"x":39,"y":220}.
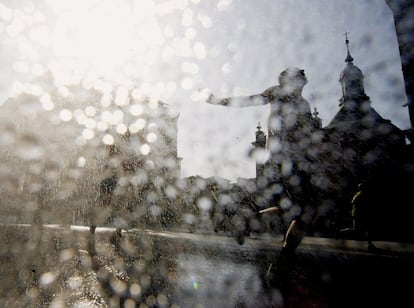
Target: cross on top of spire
{"x":315,"y":112}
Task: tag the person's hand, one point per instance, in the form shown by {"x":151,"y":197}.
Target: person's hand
{"x":218,"y":101}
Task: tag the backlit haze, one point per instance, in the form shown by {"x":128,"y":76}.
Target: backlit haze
{"x":180,"y":51}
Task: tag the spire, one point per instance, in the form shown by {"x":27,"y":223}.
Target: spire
{"x":351,"y":79}
{"x":318,"y":120}
{"x":349,"y":58}
{"x":257,"y":152}
{"x":260,"y":141}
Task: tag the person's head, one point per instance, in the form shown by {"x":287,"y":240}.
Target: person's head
{"x":292,"y":80}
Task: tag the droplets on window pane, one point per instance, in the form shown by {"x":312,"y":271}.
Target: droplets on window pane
{"x":121,"y":186}
{"x":65,"y":115}
{"x":108,"y":139}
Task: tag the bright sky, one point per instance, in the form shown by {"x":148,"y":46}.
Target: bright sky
{"x":181,"y":50}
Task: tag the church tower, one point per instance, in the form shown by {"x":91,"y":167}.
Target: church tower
{"x":317,"y":120}
{"x":259,"y":145}
{"x":352,"y":80}
{"x":366,"y":140}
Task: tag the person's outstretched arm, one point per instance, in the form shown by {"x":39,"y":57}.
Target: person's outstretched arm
{"x":263,"y":98}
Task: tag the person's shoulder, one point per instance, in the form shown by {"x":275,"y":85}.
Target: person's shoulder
{"x":273,"y":89}
{"x":272,"y":92}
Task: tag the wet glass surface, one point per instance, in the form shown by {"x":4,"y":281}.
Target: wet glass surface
{"x":190,"y":153}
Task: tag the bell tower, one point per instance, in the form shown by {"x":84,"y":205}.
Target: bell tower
{"x":259,"y":145}
{"x":352,"y":80}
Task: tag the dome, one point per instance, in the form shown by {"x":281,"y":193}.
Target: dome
{"x":352,"y":80}
{"x":351,"y":73}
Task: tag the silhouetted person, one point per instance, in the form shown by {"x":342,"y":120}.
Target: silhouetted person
{"x":361,"y":217}
{"x":106,"y":189}
{"x":100,"y":213}
{"x":101,"y":210}
{"x":116,"y":238}
{"x":290,"y":125}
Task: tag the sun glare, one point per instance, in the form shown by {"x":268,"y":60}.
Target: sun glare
{"x":94,"y":43}
{"x":105,"y":36}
